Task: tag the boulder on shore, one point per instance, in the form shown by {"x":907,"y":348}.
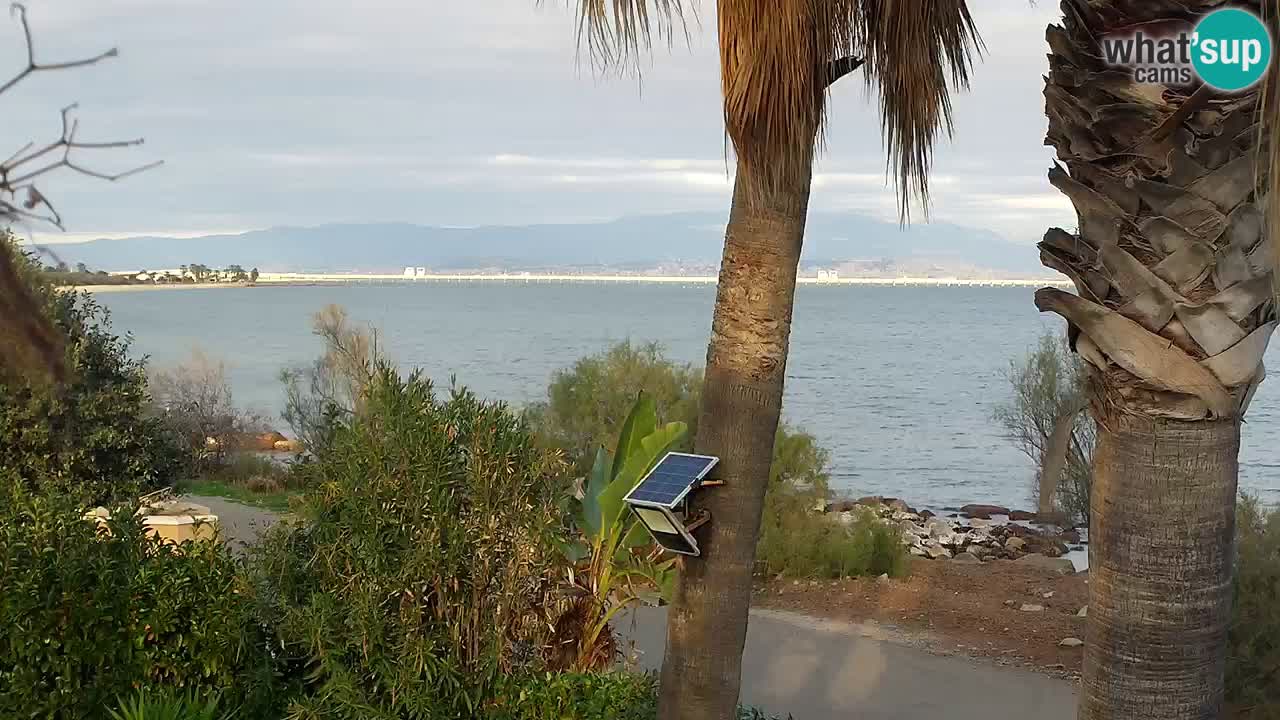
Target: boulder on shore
{"x":983,"y":512}
{"x":1061,"y":566}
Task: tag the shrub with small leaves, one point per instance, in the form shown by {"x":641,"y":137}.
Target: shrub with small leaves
{"x":94,"y":434}
{"x":422,"y":569}
{"x":90,"y":613}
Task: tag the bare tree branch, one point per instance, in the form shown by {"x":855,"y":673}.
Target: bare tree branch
{"x":29,"y":342}
{"x":20,"y":10}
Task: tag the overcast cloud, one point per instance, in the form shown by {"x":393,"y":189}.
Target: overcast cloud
{"x":464,"y":113}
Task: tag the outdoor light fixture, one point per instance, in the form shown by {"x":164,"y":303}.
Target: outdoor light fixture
{"x":660,"y":500}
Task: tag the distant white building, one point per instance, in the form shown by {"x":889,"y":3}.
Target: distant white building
{"x":410,"y":271}
{"x":420,"y":272}
{"x":828,"y":275}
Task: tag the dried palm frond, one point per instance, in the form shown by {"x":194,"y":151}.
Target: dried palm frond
{"x":30,"y":345}
{"x":776,"y":63}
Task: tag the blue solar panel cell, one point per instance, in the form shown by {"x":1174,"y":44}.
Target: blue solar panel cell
{"x":668,"y":482}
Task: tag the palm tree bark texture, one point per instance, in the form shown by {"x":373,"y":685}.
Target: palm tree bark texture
{"x":742,"y":400}
{"x":1173,"y":311}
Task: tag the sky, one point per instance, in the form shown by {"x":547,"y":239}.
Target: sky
{"x":303,"y":112}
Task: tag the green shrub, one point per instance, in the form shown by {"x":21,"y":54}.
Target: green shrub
{"x":422,"y":567}
{"x":170,"y":705}
{"x":575,"y":696}
{"x":587,"y":404}
{"x":93,"y":435}
{"x":796,"y":541}
{"x":1253,"y":667}
{"x":88,"y":616}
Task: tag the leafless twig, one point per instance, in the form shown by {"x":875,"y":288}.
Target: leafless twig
{"x":29,"y":342}
{"x":19,"y":196}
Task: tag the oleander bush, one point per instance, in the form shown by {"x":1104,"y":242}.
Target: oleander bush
{"x":423,"y":567}
{"x":89,"y":614}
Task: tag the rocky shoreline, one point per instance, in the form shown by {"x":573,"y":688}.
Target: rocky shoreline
{"x":974,"y":534}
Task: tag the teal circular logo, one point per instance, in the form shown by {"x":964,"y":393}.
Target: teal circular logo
{"x":1231,"y":49}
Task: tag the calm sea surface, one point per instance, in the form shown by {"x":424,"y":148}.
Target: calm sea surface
{"x":899,"y":383}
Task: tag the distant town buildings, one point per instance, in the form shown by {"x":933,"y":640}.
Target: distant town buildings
{"x":825,"y":275}
{"x":412,"y":272}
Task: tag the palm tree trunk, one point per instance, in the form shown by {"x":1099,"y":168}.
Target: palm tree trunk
{"x":741,"y":404}
{"x":1173,"y":268}
{"x":1160,"y":561}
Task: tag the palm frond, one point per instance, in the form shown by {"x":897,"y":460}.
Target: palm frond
{"x":917,"y":52}
{"x":775,"y":61}
{"x":616,"y":32}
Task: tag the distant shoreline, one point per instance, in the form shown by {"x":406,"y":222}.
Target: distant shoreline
{"x":318,"y":279}
{"x":147,"y":287}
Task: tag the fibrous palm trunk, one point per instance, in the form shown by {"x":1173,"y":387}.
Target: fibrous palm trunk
{"x":1172,"y":266}
{"x":741,"y":403}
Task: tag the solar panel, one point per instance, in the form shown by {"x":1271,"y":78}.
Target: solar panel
{"x":671,"y":479}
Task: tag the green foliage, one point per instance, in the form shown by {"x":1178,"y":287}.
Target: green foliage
{"x":614,"y":562}
{"x":1253,"y":665}
{"x":796,"y":541}
{"x":92,"y":436}
{"x":587,"y":403}
{"x":422,"y":567}
{"x":1048,"y":383}
{"x":578,"y":696}
{"x":89,"y":615}
{"x":581,"y":696}
{"x":170,"y":705}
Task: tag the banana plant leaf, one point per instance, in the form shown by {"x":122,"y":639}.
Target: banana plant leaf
{"x":641,"y":422}
{"x":651,"y":449}
{"x":590,"y":521}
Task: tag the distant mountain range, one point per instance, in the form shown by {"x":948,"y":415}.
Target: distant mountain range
{"x":690,"y":239}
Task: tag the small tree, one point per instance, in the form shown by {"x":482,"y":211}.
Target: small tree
{"x":1046,"y":420}
{"x":334,"y":387}
{"x":253,"y":275}
{"x":194,"y":399}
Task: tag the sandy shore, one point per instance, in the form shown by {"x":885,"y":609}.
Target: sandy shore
{"x":98,"y":289}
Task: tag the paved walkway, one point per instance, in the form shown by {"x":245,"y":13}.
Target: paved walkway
{"x":821,"y":670}
{"x":240,"y":524}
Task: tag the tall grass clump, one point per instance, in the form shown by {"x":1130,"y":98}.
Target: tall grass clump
{"x":422,"y":569}
{"x":797,"y":541}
